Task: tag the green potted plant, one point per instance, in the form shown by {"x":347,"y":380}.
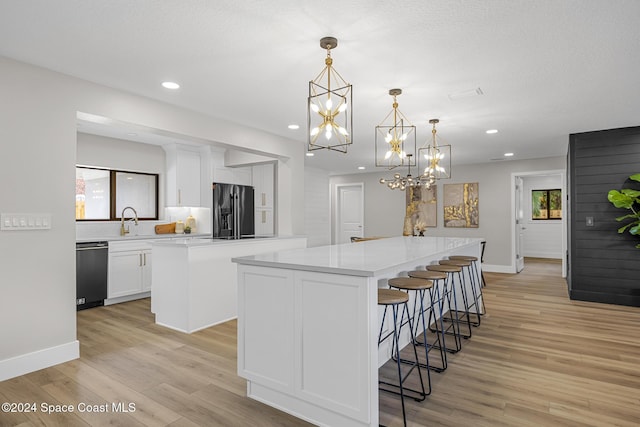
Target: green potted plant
{"x":628,"y":199}
{"x":187,"y":230}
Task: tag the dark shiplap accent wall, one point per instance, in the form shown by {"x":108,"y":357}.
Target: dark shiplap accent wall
{"x":604,"y":266}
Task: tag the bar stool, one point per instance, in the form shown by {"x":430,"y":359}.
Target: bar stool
{"x":479,"y":279}
{"x":393,"y":298}
{"x":437,"y":300}
{"x":451,"y":296}
{"x":470,"y":301}
{"x":419,"y":287}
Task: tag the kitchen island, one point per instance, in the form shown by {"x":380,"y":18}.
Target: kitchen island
{"x":194,"y":282}
{"x":308,"y":323}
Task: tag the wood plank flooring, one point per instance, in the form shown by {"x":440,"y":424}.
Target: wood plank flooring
{"x":538,"y":359}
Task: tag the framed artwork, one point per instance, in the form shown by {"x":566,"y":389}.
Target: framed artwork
{"x":546,"y":204}
{"x":422,"y":206}
{"x":461,"y":205}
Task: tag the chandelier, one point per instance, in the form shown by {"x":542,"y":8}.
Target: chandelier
{"x":400,"y":182}
{"x":329,"y":113}
{"x":435,"y":157}
{"x":391,"y":135}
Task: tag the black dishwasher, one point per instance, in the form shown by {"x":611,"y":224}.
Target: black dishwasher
{"x":91,"y":274}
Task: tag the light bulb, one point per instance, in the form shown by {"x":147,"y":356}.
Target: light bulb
{"x":404,"y":136}
{"x":327,"y":133}
{"x":329,"y":104}
{"x":343,"y":131}
{"x":315,"y":108}
{"x":388,"y":138}
{"x":315,"y":131}
{"x":403,"y":154}
{"x":396,"y":176}
{"x":342,"y":107}
{"x":388,"y":154}
{"x":382,"y":180}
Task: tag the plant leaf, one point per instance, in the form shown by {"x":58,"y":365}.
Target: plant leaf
{"x":635,"y":177}
{"x":621,"y":218}
{"x":623,"y":228}
{"x":631,"y":193}
{"x":635,"y":229}
{"x":620,"y":200}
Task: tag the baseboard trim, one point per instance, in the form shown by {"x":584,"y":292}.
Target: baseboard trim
{"x":30,"y":362}
{"x":510,"y":269}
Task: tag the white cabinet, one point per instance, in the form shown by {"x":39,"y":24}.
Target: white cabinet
{"x":264,"y":222}
{"x":263,"y":177}
{"x":183,"y":176}
{"x":129,"y":270}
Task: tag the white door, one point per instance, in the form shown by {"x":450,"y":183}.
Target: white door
{"x":350,"y":212}
{"x":519,"y":226}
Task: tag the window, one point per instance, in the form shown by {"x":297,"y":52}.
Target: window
{"x":102,"y":194}
{"x":546,"y":204}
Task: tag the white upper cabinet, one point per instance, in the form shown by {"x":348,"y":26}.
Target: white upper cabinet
{"x":183,"y":176}
{"x":263,"y":178}
{"x":263,"y":184}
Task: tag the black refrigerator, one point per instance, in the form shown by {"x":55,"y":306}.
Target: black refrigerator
{"x":233,"y":211}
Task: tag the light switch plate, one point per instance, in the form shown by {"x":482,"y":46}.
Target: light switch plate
{"x":589,"y":221}
{"x":25,"y":221}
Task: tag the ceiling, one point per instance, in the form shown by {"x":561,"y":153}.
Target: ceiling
{"x":546,"y":68}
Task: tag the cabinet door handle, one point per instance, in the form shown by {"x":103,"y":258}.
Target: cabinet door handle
{"x":264,"y":199}
{"x":139,"y":260}
{"x":179,"y":197}
{"x":264,"y":217}
{"x":144,"y":257}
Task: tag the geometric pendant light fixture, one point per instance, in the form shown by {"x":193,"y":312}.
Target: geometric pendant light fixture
{"x":395,"y":139}
{"x":435,"y":157}
{"x":329,"y":107}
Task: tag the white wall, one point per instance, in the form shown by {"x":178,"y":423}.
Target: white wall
{"x":38,"y":115}
{"x":317,"y":212}
{"x":385,"y":209}
{"x":542,"y":238}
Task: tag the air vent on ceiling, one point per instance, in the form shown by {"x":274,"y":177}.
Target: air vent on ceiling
{"x":466,"y":94}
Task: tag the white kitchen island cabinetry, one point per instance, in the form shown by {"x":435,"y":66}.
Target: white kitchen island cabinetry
{"x":195,"y":283}
{"x":308,"y":323}
{"x":129,"y":271}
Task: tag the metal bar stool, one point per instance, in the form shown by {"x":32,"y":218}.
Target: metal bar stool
{"x":479,"y":279}
{"x":451,"y":295}
{"x":470,"y":301}
{"x":437,"y":300}
{"x":393,"y":298}
{"x":419,"y":287}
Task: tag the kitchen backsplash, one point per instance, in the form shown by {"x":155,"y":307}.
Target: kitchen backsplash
{"x":105,"y":229}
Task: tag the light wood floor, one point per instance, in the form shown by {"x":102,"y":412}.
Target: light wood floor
{"x":538,"y":359}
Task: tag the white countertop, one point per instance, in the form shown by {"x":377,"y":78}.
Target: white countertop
{"x":186,"y":242}
{"x":367,"y":258}
{"x":168,"y":236}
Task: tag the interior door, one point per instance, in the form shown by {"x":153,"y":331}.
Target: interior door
{"x":519,"y":226}
{"x":350,"y":213}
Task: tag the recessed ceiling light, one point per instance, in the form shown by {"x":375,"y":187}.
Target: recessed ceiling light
{"x":170,"y":85}
{"x":508,"y":154}
{"x":361,"y":168}
{"x":490,"y":131}
{"x":132,"y":134}
{"x":310,"y":154}
{"x":293,"y":127}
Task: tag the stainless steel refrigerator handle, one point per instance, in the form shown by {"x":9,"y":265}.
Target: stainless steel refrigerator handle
{"x":94,"y":248}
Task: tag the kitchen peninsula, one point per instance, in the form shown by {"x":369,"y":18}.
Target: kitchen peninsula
{"x":308,"y":323}
{"x":194,"y":282}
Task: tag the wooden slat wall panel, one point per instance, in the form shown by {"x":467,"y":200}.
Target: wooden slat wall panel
{"x":603,"y":265}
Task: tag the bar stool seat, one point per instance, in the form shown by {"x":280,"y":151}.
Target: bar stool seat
{"x":394,"y":298}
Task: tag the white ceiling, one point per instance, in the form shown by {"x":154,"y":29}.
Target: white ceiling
{"x":547,"y":68}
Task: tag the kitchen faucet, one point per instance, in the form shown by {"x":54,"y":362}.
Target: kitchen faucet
{"x":125,"y":231}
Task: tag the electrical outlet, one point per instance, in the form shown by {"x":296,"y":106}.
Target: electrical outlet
{"x":589,"y":221}
{"x":80,"y":301}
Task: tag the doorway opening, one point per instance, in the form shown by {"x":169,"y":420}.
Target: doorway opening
{"x":533,"y":237}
